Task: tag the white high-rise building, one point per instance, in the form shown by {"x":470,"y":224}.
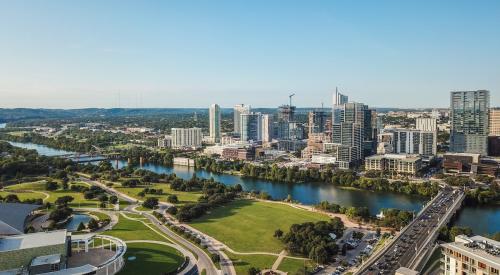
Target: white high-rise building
{"x":186,"y":138}
{"x":428,"y":124}
{"x":215,"y":123}
{"x":267,"y":128}
{"x":238,"y":110}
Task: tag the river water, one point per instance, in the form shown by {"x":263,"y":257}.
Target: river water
{"x":483,"y":220}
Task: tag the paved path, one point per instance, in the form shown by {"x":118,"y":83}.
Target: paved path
{"x":278,"y":261}
{"x":204,"y":262}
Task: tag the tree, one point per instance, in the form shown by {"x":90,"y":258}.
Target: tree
{"x":278,"y":233}
{"x":51,"y":186}
{"x":150,"y":203}
{"x":11,"y":198}
{"x":378,"y":231}
{"x":102,"y":198}
{"x":172,"y":210}
{"x":253,"y":271}
{"x":81,"y":227}
{"x":93,"y":225}
{"x":215,"y":258}
{"x":172,"y":199}
{"x":63,"y":201}
{"x":113,"y":199}
{"x":65,"y":186}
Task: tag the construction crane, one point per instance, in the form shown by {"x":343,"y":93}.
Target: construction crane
{"x":290,"y":96}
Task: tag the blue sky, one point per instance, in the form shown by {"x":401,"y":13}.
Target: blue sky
{"x":71,"y":54}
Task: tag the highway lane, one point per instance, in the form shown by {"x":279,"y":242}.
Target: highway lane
{"x":409,"y":243}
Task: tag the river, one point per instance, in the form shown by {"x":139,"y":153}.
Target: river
{"x":482,"y":220}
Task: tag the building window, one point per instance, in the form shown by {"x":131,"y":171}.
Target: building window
{"x":481,"y":265}
{"x":494,"y":271}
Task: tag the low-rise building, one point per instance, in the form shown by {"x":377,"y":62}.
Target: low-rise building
{"x":184,"y":161}
{"x":470,"y":163}
{"x":394,"y":163}
{"x":471,"y":255}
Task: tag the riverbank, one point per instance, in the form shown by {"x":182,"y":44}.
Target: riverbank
{"x":310,"y":193}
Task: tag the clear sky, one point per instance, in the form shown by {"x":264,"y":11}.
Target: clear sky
{"x":94,"y":53}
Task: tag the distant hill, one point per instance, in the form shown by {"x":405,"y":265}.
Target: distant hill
{"x":7,"y":115}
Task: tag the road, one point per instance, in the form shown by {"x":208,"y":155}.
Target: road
{"x":415,"y":237}
{"x":204,"y":261}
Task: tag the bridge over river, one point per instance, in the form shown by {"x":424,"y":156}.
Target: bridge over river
{"x":414,"y":244}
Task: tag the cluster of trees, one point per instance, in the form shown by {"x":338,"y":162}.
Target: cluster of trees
{"x":395,"y":218}
{"x":151,"y":191}
{"x":214,"y":194}
{"x":342,"y":178}
{"x":13,"y":198}
{"x":483,"y":195}
{"x":448,"y":234}
{"x":313,"y":240}
{"x":150,"y":203}
{"x":218,"y":166}
{"x":62,"y":211}
{"x":16,"y":163}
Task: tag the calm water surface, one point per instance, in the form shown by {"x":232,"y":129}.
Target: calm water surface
{"x":483,"y":220}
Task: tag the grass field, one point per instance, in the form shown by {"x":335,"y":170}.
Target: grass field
{"x":151,"y":259}
{"x":248,"y":226}
{"x":23,"y":194}
{"x":23,"y":191}
{"x":294,"y":266}
{"x":184,"y":197}
{"x":243,"y":262}
{"x":129,"y":230}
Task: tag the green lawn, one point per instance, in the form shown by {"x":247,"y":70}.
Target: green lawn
{"x":23,"y":194}
{"x":294,"y":266}
{"x":79,"y":200}
{"x":183,"y":197}
{"x":129,"y":230}
{"x":248,"y":226}
{"x":243,"y":262}
{"x":151,"y":259}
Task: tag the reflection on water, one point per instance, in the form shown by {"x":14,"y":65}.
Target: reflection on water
{"x":75,"y":221}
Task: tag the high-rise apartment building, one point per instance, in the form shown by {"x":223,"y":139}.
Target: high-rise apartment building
{"x":317,"y":121}
{"x":186,"y":138}
{"x":267,"y":128}
{"x":408,"y":141}
{"x":338,"y":98}
{"x":215,"y":123}
{"x":251,"y":127}
{"x":494,"y":122}
{"x":469,"y":121}
{"x":238,"y":110}
{"x":471,"y":256}
{"x":352,"y":127}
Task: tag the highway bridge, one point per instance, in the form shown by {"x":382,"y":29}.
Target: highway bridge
{"x":413,"y":245}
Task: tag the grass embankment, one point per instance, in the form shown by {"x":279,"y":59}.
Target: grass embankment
{"x":295,"y":266}
{"x":243,"y":262}
{"x":249,"y":226}
{"x":183,"y":197}
{"x":151,"y":259}
{"x":130,"y":230}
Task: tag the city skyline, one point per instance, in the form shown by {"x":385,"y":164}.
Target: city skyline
{"x":176,"y":54}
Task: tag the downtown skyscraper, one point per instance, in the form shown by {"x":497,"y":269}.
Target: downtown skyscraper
{"x":215,"y":123}
{"x":469,"y":121}
{"x":239,"y":109}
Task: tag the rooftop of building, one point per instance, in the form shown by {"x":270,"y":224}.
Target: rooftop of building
{"x":477,"y":247}
{"x":13,"y":216}
{"x":39,"y":239}
{"x":395,"y":156}
{"x":462,"y":154}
